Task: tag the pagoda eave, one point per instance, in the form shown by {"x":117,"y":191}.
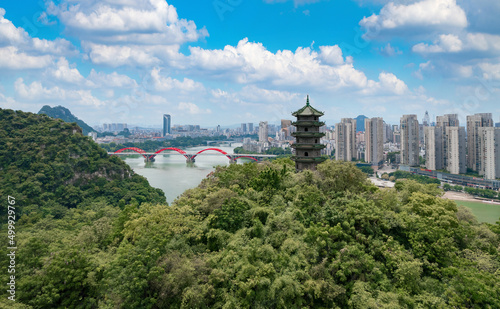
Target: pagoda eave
{"x":308,"y":134}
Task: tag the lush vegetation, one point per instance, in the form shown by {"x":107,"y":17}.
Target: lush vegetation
{"x":418,"y":178}
{"x":249,"y":236}
{"x":366,"y":169}
{"x":60,"y":112}
{"x":50,"y":166}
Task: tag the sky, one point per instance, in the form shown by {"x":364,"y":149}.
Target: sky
{"x":224,"y":62}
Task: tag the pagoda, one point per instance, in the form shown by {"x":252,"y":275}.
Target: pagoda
{"x":307,"y":138}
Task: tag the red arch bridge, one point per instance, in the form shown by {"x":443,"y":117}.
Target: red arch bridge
{"x":190,"y":157}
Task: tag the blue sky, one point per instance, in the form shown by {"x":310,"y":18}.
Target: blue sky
{"x":231,"y":61}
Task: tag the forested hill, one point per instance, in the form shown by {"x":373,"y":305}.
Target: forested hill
{"x":249,"y":236}
{"x":60,"y":112}
{"x":50,"y":166}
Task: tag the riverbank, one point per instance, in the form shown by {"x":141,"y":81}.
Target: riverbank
{"x":460,"y":196}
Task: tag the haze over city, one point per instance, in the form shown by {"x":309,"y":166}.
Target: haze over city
{"x":223,"y":63}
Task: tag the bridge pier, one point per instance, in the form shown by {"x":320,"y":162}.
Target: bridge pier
{"x":232,"y":161}
{"x":190,"y":159}
{"x":149,"y":159}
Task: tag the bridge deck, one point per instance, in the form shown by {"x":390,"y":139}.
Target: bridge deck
{"x":192,"y":154}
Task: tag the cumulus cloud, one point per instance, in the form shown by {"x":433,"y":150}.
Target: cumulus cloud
{"x":252,"y":63}
{"x":12,"y":58}
{"x":37,"y":92}
{"x":192,"y":108}
{"x":490,"y":71}
{"x":445,"y":43}
{"x":388,"y":84}
{"x":417,"y":17}
{"x":63,"y":72}
{"x":165,"y":84}
{"x":19,"y":51}
{"x":111,"y":80}
{"x":390,"y":51}
{"x":117,"y":33}
{"x":485,"y":44}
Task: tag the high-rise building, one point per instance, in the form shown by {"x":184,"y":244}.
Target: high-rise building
{"x":474,"y":122}
{"x":285,"y":127}
{"x":434,"y":148}
{"x":167,"y":122}
{"x":250,"y":127}
{"x":374,"y":138}
{"x":263,"y":132}
{"x":427,"y":120}
{"x":345,"y":139}
{"x":489,"y":149}
{"x":307,"y":145}
{"x":244,"y":128}
{"x":456,"y":147}
{"x":448,"y":120}
{"x":410,"y":148}
{"x":360,"y":123}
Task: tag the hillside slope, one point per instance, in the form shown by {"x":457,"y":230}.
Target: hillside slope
{"x":50,"y":166}
{"x":60,"y":112}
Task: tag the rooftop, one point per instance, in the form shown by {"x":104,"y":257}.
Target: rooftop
{"x":307,"y":110}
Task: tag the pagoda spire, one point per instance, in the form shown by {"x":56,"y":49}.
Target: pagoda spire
{"x":307,"y":102}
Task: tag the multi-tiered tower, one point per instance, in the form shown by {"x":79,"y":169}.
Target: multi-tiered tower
{"x":307,"y":138}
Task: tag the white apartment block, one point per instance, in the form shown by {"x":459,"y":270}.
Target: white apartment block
{"x":410,"y":141}
{"x":345,"y":140}
{"x":489,"y":152}
{"x":434,"y":148}
{"x":456,"y":147}
{"x":374,"y":139}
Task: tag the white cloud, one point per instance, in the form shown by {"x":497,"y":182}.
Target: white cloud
{"x":249,"y":63}
{"x":417,"y":17}
{"x":388,"y":84}
{"x":165,"y":84}
{"x":116,"y":33}
{"x":112,"y":80}
{"x":490,"y":70}
{"x":65,"y":73}
{"x":390,"y":51}
{"x":37,"y":92}
{"x":192,"y":108}
{"x":446,"y":43}
{"x":331,"y":55}
{"x":143,"y":21}
{"x":12,"y":58}
{"x":19,"y":51}
{"x":482,"y":44}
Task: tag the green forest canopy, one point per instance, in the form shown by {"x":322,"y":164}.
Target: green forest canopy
{"x":249,"y":236}
{"x":61,"y":112}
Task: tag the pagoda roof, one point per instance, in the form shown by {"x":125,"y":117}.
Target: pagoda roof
{"x":307,"y":110}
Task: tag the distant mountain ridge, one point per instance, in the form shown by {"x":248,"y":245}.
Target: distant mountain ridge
{"x":60,"y":112}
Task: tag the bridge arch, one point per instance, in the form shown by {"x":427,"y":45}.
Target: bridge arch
{"x":182,"y":152}
{"x":213,"y":149}
{"x":248,"y":157}
{"x":138,"y":150}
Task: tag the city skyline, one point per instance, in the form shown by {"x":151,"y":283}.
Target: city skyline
{"x":124,"y":62}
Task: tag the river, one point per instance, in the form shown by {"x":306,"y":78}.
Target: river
{"x":171,"y":173}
